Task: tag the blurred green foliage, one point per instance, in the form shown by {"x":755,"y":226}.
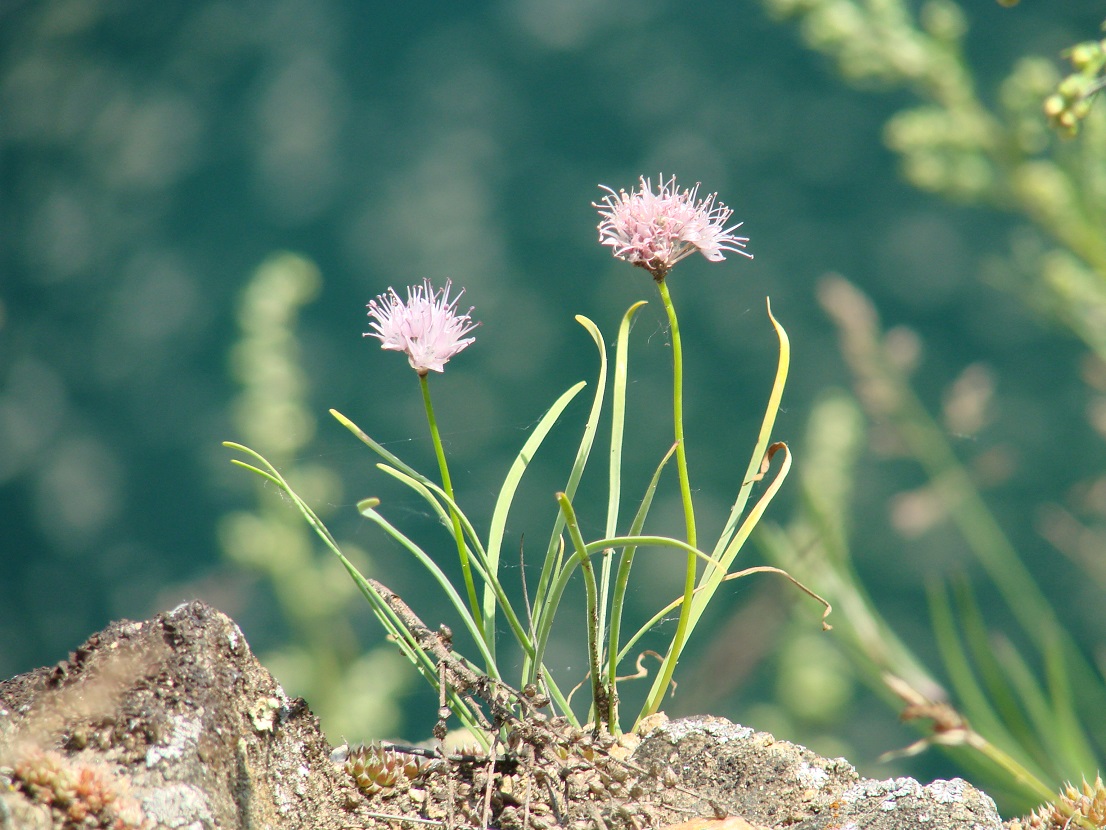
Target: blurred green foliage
{"x":354,"y":690}
{"x":1025,"y":709}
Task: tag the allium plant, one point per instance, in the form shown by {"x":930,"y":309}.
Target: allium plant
{"x":653,"y":230}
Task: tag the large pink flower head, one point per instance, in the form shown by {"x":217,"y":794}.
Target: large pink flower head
{"x":427,"y":327}
{"x":656,"y":230}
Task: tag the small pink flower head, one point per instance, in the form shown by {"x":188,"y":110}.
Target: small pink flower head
{"x":656,"y":230}
{"x":427,"y":327}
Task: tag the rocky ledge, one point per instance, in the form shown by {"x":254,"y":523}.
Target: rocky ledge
{"x":173,"y":723}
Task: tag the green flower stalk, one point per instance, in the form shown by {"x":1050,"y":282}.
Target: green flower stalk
{"x":447,"y":485}
{"x":678,"y":410}
{"x":428,"y":329}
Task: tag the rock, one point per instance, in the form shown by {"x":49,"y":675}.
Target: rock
{"x":173,"y":723}
{"x":169,"y":723}
{"x":735,"y":770}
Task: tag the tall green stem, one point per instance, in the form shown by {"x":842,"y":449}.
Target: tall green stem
{"x":447,"y":485}
{"x":672,"y":657}
{"x":678,"y":416}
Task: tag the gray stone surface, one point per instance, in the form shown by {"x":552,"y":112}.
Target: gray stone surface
{"x":738,"y":771}
{"x":176,"y":722}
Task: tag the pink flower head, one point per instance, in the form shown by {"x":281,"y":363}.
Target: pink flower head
{"x":427,"y":327}
{"x":656,"y":230}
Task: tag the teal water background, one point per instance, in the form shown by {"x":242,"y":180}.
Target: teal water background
{"x":154,"y":154}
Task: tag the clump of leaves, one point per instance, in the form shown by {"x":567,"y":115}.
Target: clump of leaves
{"x":653,"y":231}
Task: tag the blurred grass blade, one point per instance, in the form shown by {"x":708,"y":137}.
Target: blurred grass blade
{"x":1069,"y":758}
{"x":973,"y":701}
{"x":1031,"y":694}
{"x":1070,"y":735}
{"x":1000,"y":698}
{"x":816,"y":548}
{"x":858,"y":325}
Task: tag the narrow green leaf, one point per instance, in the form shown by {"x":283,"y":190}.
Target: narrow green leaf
{"x":440,"y":577}
{"x":434,"y":495}
{"x":599,"y":695}
{"x":377,"y":448}
{"x":551,"y":561}
{"x":618,"y":416}
{"x":479,"y":560}
{"x":507,"y":494}
{"x":625,"y":563}
{"x":712,"y":579}
{"x":560,"y":583}
{"x":672,"y":606}
{"x":582,"y":454}
{"x":725,"y":550}
{"x":775,"y":397}
{"x":392,"y":625}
